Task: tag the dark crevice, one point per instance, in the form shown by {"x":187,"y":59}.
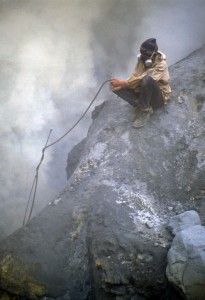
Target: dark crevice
{"x":91,"y":278}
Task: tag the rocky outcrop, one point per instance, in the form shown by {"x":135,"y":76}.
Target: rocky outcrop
{"x":105,"y":236}
{"x":186,"y":257}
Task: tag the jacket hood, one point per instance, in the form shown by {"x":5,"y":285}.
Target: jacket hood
{"x":162,"y":55}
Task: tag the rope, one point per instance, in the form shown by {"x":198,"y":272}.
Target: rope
{"x":35,"y":181}
{"x":35,"y":184}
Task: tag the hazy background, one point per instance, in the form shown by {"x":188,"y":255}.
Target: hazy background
{"x":54,"y":55}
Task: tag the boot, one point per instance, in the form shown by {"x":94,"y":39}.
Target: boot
{"x":142,"y":119}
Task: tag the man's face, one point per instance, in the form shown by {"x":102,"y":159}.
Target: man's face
{"x":146,"y":55}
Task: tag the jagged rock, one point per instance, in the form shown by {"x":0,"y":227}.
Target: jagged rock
{"x":186,"y":262}
{"x":183,"y":221}
{"x":74,"y":158}
{"x":105,"y":236}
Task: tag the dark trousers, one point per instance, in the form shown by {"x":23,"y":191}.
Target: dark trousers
{"x":150,"y":95}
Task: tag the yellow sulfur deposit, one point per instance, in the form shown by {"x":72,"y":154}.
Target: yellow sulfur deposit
{"x":16,"y":278}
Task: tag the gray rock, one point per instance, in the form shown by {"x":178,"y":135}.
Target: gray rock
{"x":105,"y":236}
{"x":183,"y":221}
{"x":186,"y":262}
{"x":74,"y":158}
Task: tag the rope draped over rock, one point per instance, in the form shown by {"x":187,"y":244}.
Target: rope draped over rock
{"x":35,"y":181}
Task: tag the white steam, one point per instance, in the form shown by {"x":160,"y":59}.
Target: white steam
{"x":54,"y":55}
{"x":46,"y":72}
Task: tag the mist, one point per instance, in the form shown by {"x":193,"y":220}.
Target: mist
{"x":54,"y":56}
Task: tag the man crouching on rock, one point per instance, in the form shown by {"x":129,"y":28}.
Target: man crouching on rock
{"x":148,"y":87}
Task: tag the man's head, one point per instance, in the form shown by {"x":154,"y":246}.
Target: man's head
{"x":148,"y":47}
{"x":148,"y":50}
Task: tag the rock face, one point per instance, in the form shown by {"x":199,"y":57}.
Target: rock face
{"x":186,"y":257}
{"x":105,"y":236}
{"x":183,"y":221}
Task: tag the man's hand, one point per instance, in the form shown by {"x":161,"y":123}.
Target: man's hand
{"x":116,"y":84}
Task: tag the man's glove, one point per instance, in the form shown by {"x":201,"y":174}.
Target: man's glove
{"x":116,"y":84}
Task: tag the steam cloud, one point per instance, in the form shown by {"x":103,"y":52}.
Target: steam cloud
{"x":53,"y":56}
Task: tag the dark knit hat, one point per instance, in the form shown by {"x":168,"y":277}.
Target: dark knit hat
{"x":149,"y":46}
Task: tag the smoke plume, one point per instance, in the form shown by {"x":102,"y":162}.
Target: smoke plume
{"x":54,"y":55}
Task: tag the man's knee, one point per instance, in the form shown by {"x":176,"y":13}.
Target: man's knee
{"x":128,"y":95}
{"x":147,"y":81}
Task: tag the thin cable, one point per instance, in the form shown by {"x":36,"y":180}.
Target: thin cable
{"x":35,"y":182}
{"x":29,"y":199}
{"x":80,"y":117}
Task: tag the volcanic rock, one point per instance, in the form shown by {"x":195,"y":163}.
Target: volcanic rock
{"x":105,"y":236}
{"x":186,"y":257}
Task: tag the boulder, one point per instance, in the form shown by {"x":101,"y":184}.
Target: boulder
{"x":183,"y":221}
{"x":105,"y":235}
{"x":186,"y":262}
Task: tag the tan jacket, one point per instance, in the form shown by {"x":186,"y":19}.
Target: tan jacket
{"x":158,"y":71}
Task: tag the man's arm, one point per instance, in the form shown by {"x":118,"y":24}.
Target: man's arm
{"x":134,"y":81}
{"x":158,"y":71}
